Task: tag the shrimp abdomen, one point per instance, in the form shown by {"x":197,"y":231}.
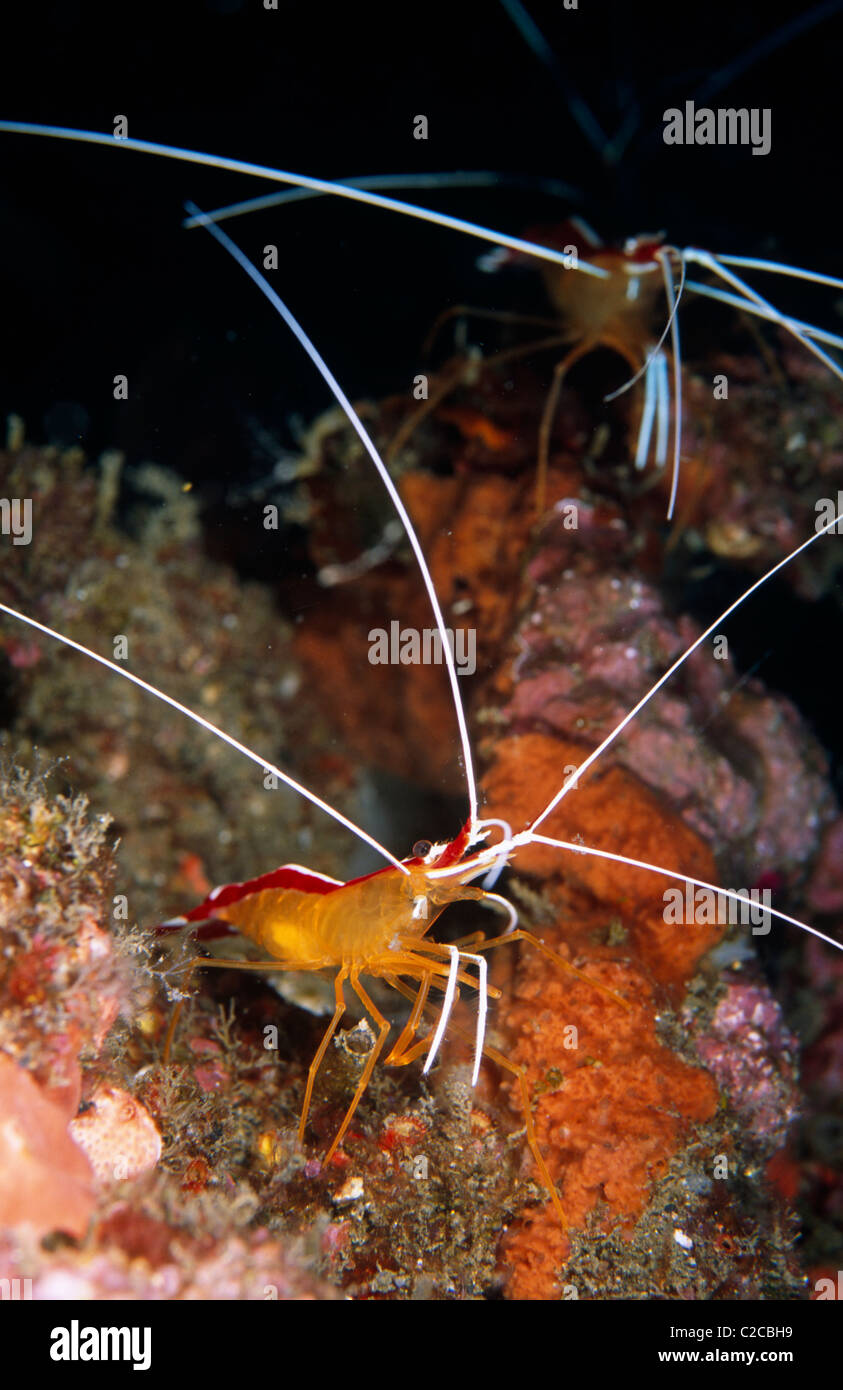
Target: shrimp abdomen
{"x":352,"y":925}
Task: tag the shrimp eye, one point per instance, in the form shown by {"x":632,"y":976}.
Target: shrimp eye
{"x":421,"y":849}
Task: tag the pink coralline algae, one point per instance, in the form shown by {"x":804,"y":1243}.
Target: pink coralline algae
{"x":598,"y":635}
{"x":751,"y":1052}
{"x":210,"y":1075}
{"x":824,"y":892}
{"x":755,"y":494}
{"x":118,"y":1135}
{"x":250,"y":1267}
{"x":62,"y":985}
{"x":46,"y":1181}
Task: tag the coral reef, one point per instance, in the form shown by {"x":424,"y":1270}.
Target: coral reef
{"x":187,"y":625}
{"x":62,"y":984}
{"x":663,"y":1078}
{"x":46,"y":1181}
{"x":571,"y":641}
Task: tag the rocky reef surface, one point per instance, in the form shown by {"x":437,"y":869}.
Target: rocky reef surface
{"x":685,"y":1110}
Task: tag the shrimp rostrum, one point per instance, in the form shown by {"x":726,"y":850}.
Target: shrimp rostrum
{"x":379,"y":926}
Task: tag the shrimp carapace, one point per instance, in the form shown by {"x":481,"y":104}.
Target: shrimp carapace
{"x":307,"y":921}
{"x":622,"y":311}
{"x":375,"y":925}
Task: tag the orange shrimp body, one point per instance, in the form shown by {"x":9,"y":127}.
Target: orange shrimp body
{"x":373,"y":925}
{"x":307,"y":921}
{"x":362,"y":925}
{"x":377,"y":926}
{"x":619,"y":311}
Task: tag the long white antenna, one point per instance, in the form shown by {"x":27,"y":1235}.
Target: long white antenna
{"x":457,"y":178}
{"x":366,"y":440}
{"x":713,"y":264}
{"x":475,"y":866}
{"x":772,"y":315}
{"x":262,"y":171}
{"x":208,"y":726}
{"x":778,"y":268}
{"x":588,"y":762}
{"x":729,"y":893}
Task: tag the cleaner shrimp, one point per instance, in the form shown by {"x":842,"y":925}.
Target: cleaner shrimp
{"x":611,"y":297}
{"x":411,"y":892}
{"x":606,"y":296}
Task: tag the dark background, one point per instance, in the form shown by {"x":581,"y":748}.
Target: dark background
{"x":97,"y":277}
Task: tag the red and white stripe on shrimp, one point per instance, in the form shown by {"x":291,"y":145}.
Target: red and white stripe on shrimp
{"x":626,"y":296}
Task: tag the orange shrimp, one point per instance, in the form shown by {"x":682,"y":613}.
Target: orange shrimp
{"x":620,"y":306}
{"x":615,"y":307}
{"x":606,"y":296}
{"x":618,"y":313}
{"x":377,"y":925}
{"x":618,"y":309}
